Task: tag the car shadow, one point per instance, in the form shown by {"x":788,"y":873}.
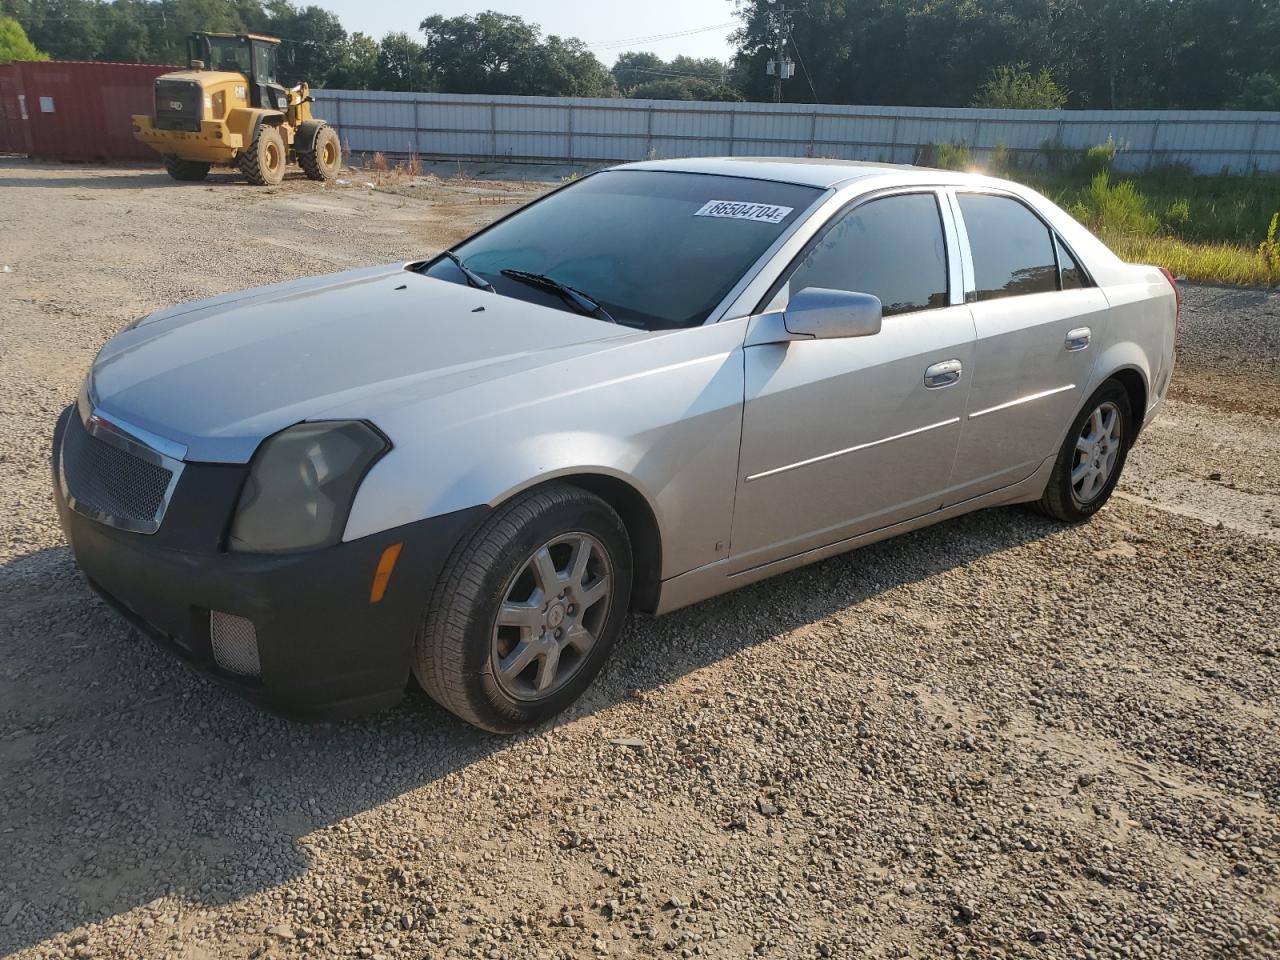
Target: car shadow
{"x":124,"y":777}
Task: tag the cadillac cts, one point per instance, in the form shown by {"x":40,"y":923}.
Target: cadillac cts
{"x":657,"y":384}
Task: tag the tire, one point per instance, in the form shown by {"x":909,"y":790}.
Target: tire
{"x":1094,"y":444}
{"x":324,"y":160}
{"x":461,"y":647}
{"x":262,"y":162}
{"x":181,"y":169}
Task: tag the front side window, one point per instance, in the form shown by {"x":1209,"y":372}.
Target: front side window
{"x":657,"y":250}
{"x":1012,"y":249}
{"x":892,"y":248}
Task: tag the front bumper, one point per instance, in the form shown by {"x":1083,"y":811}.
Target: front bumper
{"x":326,"y":651}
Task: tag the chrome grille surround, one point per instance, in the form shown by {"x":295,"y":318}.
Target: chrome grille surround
{"x":107,"y":473}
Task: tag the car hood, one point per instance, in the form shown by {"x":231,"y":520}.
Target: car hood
{"x":216,"y":376}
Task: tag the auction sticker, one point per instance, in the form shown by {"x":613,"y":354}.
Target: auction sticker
{"x":736,"y":210}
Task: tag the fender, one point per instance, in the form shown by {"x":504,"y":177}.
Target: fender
{"x":247,"y":121}
{"x":305,"y":139}
{"x":661,"y":414}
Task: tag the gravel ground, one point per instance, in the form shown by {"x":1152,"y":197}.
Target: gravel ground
{"x":998,"y":737}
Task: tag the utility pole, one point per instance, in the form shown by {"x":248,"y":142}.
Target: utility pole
{"x":779,"y":67}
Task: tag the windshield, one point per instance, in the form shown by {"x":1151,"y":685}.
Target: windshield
{"x":230,"y":54}
{"x":657,"y":250}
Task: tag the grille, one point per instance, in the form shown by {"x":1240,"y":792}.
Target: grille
{"x":179,"y":105}
{"x":235,"y":643}
{"x":110,"y":483}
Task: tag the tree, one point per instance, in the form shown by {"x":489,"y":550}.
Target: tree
{"x":499,"y":53}
{"x":1261,"y":91}
{"x":357,"y":67}
{"x":647,"y":76}
{"x":14,"y":44}
{"x":314,"y":42}
{"x":1014,"y":87}
{"x":400,"y":64}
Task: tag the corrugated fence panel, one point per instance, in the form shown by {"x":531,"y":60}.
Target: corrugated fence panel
{"x":576,"y":129}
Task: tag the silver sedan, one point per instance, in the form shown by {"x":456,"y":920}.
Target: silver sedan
{"x":657,"y":384}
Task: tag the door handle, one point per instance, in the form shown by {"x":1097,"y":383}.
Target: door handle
{"x":942,"y":374}
{"x":1079,"y":338}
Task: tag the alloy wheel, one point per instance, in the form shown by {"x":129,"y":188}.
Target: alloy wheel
{"x":1097,"y":449}
{"x":552,"y":613}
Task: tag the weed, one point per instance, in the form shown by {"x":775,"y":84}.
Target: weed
{"x":1269,"y":249}
{"x":1176,"y":216}
{"x":1058,"y":157}
{"x":415,"y":165}
{"x":952,"y":156}
{"x":1098,"y":159}
{"x":1000,"y":161}
{"x":1115,"y":208}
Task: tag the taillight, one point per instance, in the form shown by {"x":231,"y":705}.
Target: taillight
{"x":1177,"y":293}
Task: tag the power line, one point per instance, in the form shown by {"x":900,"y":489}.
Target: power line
{"x":608,"y":44}
{"x":802,"y":66}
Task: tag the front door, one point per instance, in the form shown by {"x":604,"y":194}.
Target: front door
{"x":840,"y":437}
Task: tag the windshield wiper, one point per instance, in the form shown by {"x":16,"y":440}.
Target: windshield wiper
{"x":576,"y":297}
{"x":473,"y":278}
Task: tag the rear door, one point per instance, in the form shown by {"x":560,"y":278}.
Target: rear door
{"x":1036,"y":316}
{"x":840,"y":437}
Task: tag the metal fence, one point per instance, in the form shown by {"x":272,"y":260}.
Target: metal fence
{"x":580,"y":130}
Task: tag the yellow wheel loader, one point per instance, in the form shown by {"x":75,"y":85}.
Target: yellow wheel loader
{"x":229,"y":109}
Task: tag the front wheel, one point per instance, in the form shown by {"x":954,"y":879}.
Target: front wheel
{"x":262,"y":162}
{"x":526,"y":610}
{"x":1092,"y":457}
{"x":181,"y":169}
{"x":324,"y":160}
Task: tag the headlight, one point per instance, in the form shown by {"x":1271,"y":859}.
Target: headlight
{"x":301,"y":485}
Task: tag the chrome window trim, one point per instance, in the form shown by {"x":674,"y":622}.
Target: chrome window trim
{"x":124,"y":437}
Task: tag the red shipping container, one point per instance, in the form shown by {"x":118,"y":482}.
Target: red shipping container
{"x":14,"y":129}
{"x":78,"y":110}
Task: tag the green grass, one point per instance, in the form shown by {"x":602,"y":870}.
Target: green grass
{"x":1213,"y":229}
{"x":1210,"y":262}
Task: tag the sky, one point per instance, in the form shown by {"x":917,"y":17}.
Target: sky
{"x":608,"y":27}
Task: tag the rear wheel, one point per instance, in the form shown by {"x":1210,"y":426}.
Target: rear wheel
{"x":526,"y":610}
{"x":1092,"y":457}
{"x":181,"y":169}
{"x":262,"y":162}
{"x":324,"y":160}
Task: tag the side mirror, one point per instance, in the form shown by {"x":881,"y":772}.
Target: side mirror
{"x":822,"y":314}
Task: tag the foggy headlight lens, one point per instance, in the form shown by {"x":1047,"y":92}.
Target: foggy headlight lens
{"x":301,"y":485}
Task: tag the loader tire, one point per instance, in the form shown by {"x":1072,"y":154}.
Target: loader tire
{"x":262,"y":162}
{"x":324,"y":160}
{"x":181,"y":169}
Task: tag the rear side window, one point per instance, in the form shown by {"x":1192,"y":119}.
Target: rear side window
{"x":892,"y":248}
{"x":1072,"y":276}
{"x":1012,"y":249}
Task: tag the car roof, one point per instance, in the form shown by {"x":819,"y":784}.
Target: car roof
{"x":809,"y":172}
